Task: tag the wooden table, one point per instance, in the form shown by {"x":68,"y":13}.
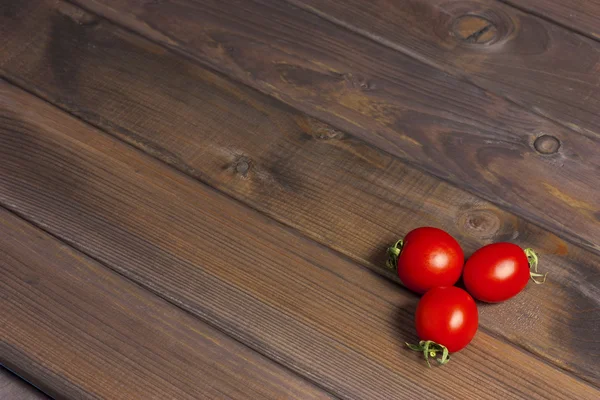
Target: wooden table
{"x":196,"y":195}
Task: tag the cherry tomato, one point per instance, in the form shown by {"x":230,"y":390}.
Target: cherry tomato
{"x":499,"y":271}
{"x":426,"y":258}
{"x":446,"y":321}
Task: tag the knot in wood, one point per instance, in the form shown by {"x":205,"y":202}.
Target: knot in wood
{"x":357,"y":81}
{"x":474,"y":29}
{"x":546,"y":144}
{"x":242,"y":166}
{"x":481,"y":224}
{"x":321,"y":130}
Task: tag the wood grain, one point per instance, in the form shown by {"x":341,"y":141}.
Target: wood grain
{"x":14,"y":388}
{"x":582,"y":16}
{"x":457,"y":131}
{"x":78,"y":330}
{"x":302,"y":172}
{"x":341,"y":325}
{"x":516,"y":55}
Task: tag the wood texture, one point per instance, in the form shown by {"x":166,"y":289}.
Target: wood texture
{"x":519,"y":56}
{"x":582,"y":16}
{"x":459,"y":132}
{"x":14,"y":388}
{"x":332,"y":187}
{"x":78,"y":330}
{"x":291,"y":299}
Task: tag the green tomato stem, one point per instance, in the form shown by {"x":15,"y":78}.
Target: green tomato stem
{"x":393,"y":254}
{"x":532,"y":259}
{"x":431,"y":349}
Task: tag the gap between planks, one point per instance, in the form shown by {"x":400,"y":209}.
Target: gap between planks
{"x":556,"y":18}
{"x":13,"y":387}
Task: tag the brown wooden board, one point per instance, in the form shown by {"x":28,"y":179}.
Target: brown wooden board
{"x":78,"y":330}
{"x":299,"y":303}
{"x":14,"y":388}
{"x":457,"y":131}
{"x":582,"y":16}
{"x":332,"y":187}
{"x":546,"y":68}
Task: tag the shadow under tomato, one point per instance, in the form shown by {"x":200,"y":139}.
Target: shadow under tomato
{"x":405,"y":326}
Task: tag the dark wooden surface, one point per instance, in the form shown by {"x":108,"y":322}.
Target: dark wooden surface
{"x":271,"y":289}
{"x":214,"y":130}
{"x":14,"y":388}
{"x":81,"y":331}
{"x":508,"y":52}
{"x":120,"y":342}
{"x":263,"y":232}
{"x":446,"y":126}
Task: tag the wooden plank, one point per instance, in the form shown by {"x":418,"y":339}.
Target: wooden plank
{"x":14,"y":388}
{"x":306,"y":174}
{"x":511,"y":53}
{"x":582,"y":16}
{"x":275,"y":291}
{"x":459,"y":132}
{"x":78,"y":330}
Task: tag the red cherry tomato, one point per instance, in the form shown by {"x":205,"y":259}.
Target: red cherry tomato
{"x":447,"y":318}
{"x":426,"y":258}
{"x":499,"y":271}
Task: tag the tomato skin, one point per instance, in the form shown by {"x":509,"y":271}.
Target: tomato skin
{"x":429,"y":257}
{"x":447,"y":316}
{"x":496,"y":272}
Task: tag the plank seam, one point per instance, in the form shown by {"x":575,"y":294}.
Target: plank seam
{"x":541,"y":16}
